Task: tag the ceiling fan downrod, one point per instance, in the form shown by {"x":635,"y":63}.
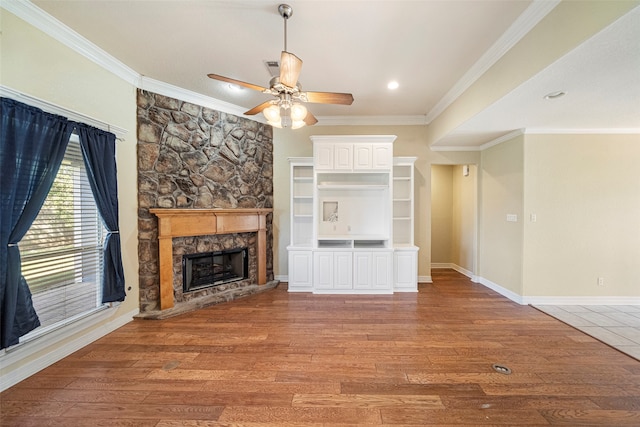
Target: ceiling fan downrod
{"x":285,"y":11}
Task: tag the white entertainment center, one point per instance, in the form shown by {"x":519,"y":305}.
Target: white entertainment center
{"x":352,"y":218}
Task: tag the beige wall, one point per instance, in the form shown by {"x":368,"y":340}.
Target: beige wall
{"x":411,"y":141}
{"x":442,"y":214}
{"x":35,"y":64}
{"x":465,"y":201}
{"x":585,"y":193}
{"x":502,"y":193}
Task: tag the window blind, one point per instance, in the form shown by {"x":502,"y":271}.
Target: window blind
{"x":61,"y":252}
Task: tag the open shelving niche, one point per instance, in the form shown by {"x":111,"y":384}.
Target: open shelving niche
{"x":353,"y":210}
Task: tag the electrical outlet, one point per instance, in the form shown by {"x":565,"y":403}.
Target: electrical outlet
{"x":600,"y":281}
{"x":512,"y":217}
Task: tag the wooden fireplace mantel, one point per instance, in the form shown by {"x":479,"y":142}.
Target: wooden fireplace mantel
{"x":201,"y":222}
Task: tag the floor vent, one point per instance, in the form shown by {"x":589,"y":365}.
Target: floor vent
{"x":501,"y":369}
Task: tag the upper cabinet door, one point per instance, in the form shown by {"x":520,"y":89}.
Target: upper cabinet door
{"x":323,"y":154}
{"x":381,"y":156}
{"x":343,"y":156}
{"x":362,"y":156}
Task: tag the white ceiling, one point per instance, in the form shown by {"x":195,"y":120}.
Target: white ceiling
{"x":434,"y":49}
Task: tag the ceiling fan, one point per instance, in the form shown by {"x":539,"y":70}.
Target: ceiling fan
{"x":287,"y":109}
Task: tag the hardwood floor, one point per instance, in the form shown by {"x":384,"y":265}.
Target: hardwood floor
{"x":280,"y":359}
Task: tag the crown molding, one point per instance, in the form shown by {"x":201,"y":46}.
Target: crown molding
{"x":371,"y":121}
{"x":593,"y":131}
{"x":454,"y":148}
{"x":46,"y":23}
{"x":520,"y":27}
{"x":482,"y":147}
{"x":172,"y":91}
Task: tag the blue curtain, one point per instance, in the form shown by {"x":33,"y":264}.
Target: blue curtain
{"x":99,"y":153}
{"x":32,"y":146}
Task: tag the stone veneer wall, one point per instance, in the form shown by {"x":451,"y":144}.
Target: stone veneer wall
{"x":191,"y":156}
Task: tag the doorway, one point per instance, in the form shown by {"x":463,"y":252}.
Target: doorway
{"x":454,"y":221}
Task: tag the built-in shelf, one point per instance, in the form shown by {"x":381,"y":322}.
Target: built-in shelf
{"x":350,"y":186}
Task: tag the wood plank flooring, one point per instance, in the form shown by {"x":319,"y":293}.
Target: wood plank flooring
{"x":280,"y":359}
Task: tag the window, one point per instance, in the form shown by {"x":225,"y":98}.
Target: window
{"x":62,"y":251}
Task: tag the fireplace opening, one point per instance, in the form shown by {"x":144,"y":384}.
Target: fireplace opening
{"x":206,"y":269}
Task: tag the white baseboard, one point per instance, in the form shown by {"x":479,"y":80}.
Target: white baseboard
{"x":559,"y":300}
{"x":580,"y":300}
{"x":26,"y":350}
{"x":501,"y":290}
{"x":441,"y":265}
{"x":282,"y":278}
{"x":425,"y":279}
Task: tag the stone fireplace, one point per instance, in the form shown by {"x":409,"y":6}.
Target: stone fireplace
{"x":191,"y":157}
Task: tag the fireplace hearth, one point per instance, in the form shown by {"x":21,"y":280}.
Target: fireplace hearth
{"x":207,"y":269}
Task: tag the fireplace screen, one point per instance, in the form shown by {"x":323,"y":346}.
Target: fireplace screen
{"x":207,"y":269}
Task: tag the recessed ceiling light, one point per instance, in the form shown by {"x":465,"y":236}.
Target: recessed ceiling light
{"x":393,"y":85}
{"x":555,"y":95}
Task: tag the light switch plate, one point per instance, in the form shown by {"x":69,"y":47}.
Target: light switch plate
{"x":512,"y":217}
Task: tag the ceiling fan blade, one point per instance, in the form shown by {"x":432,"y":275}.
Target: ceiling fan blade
{"x":310,"y":120}
{"x":329,"y":98}
{"x":257,"y":109}
{"x":290,"y":66}
{"x":236,"y":82}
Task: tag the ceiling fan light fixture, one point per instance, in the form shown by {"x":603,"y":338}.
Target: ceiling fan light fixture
{"x":298,"y":112}
{"x":272,"y":114}
{"x":287,"y":111}
{"x":297,"y":124}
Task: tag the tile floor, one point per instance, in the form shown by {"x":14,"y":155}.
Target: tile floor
{"x":616,"y":325}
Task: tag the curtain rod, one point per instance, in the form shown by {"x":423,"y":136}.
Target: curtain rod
{"x":56,"y":109}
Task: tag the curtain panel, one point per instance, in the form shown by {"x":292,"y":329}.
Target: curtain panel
{"x":32,"y":146}
{"x":99,"y":153}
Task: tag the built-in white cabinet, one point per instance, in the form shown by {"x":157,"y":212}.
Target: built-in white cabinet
{"x":405,"y":269}
{"x":352,"y":153}
{"x":351,"y":207}
{"x":300,"y":271}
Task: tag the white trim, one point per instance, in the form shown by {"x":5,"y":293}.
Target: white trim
{"x":441,"y":265}
{"x":454,"y":148}
{"x":502,"y":291}
{"x":582,"y":300}
{"x":453,"y":266}
{"x":371,"y":120}
{"x":176,"y":92}
{"x":462,"y":270}
{"x":49,"y":25}
{"x":518,"y":29}
{"x":47,"y":106}
{"x":536,"y":131}
{"x":282,"y":278}
{"x":499,"y":140}
{"x":595,"y":131}
{"x":504,"y":138}
{"x":425,"y":279}
{"x":15,"y":354}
